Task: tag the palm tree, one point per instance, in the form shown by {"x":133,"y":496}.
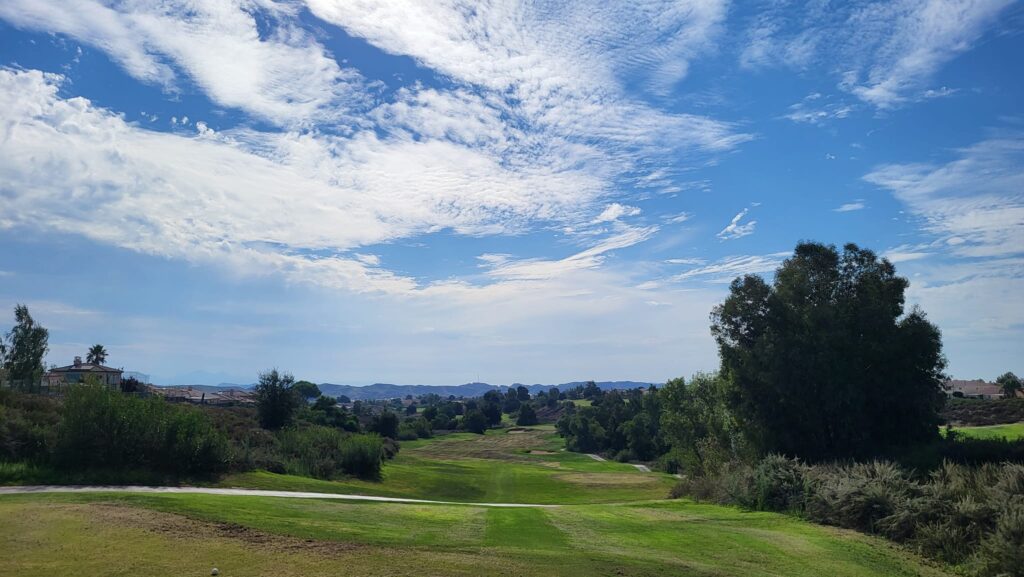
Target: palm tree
{"x":97,"y":355}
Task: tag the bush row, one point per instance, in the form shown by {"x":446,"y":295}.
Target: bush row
{"x":100,"y":435}
{"x":967,"y":516}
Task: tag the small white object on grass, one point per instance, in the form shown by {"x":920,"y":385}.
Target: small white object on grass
{"x":214,"y":571}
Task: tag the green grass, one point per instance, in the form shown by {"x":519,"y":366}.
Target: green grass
{"x":615,"y":522}
{"x":504,"y":466}
{"x":1010,"y":432}
{"x":120,"y":534}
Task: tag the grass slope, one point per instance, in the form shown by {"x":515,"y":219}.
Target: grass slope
{"x":519,"y":465}
{"x":151,"y":535}
{"x":1011,"y":432}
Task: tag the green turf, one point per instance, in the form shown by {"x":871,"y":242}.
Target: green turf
{"x":515,"y":465}
{"x":1012,"y":431}
{"x":106,"y":534}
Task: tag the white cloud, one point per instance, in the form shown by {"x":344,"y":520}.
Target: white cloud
{"x":282,"y":75}
{"x":812,"y":110}
{"x":560,"y":68}
{"x":503,"y":267}
{"x":736,"y":230}
{"x":885,"y":51}
{"x":615,"y":211}
{"x":728,"y":268}
{"x":236,"y":197}
{"x":685,"y":261}
{"x":975,"y":203}
{"x":678,"y":218}
{"x":851,"y":206}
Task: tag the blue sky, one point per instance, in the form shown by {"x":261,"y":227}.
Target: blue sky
{"x":439,"y":192}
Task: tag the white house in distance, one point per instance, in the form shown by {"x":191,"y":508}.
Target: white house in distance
{"x":78,"y":371}
{"x":976,"y":389}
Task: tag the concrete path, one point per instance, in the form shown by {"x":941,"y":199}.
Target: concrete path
{"x":595,"y":457}
{"x":238,"y":492}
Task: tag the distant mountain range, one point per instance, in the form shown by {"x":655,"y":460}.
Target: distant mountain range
{"x":379,"y":391}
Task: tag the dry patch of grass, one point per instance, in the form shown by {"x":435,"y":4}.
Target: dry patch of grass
{"x":604,"y":479}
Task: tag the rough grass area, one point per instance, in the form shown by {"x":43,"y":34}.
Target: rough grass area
{"x":498,"y":467}
{"x":1010,"y":432}
{"x":159,"y":535}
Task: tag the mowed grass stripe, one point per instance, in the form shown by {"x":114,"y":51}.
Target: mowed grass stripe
{"x":522,"y":529}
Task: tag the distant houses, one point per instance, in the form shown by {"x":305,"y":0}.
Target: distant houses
{"x":223,"y":397}
{"x":77,"y":372}
{"x":974,"y":389}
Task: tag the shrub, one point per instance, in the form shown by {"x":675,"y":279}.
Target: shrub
{"x":361,"y":455}
{"x":104,"y":429}
{"x":778,"y":484}
{"x":28,"y":426}
{"x":1002,"y":552}
{"x":326,"y":453}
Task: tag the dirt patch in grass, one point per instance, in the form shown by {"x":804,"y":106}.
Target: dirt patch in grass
{"x":512,"y":446}
{"x":540,"y":452}
{"x":182,"y":527}
{"x":603,"y":479}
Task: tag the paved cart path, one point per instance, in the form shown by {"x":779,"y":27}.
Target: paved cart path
{"x":23,"y":490}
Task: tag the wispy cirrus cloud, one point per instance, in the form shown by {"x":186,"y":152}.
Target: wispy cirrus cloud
{"x":730,"y":267}
{"x":973,"y":203}
{"x":851,"y":206}
{"x":735,"y":229}
{"x":884,"y":52}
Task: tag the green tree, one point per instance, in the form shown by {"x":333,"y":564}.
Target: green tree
{"x":474,"y":421}
{"x":527,"y":416}
{"x":696,"y":425}
{"x":306,"y":390}
{"x":276,"y":402}
{"x":1010,"y":384}
{"x":26,"y":347}
{"x":824,"y":363}
{"x":385,"y":424}
{"x":97,"y":355}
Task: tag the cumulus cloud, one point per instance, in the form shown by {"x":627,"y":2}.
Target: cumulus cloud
{"x":736,"y":230}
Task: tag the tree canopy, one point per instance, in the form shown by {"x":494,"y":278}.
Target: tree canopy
{"x":306,"y":390}
{"x":275,"y":400}
{"x":97,"y":355}
{"x":824,"y":362}
{"x":1009,"y":383}
{"x":27,"y":343}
